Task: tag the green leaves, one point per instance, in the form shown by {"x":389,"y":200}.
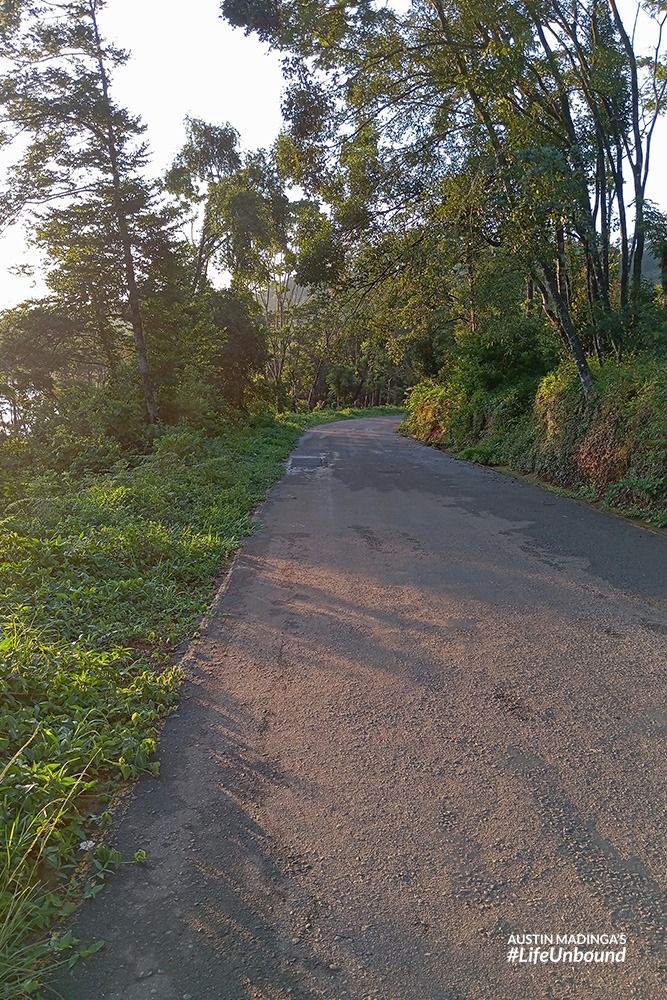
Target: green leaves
{"x":210,"y":153}
{"x":261,"y":16}
{"x":100,"y":581}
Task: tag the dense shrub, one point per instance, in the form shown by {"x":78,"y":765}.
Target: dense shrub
{"x":487,"y":383}
{"x":613,"y":449}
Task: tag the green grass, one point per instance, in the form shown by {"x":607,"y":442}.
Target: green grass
{"x":102,"y":575}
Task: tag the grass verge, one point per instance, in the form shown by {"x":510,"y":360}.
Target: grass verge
{"x":102,"y":576}
{"x":611,"y":451}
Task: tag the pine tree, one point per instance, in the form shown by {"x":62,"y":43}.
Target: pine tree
{"x":78,"y":146}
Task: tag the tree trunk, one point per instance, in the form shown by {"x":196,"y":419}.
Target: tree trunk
{"x":126,"y":242}
{"x":561,"y":267}
{"x":316,"y":379}
{"x":570,"y":334}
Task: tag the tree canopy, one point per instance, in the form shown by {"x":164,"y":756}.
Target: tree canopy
{"x":445,"y":171}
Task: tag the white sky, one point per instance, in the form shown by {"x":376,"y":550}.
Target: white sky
{"x":185,"y":60}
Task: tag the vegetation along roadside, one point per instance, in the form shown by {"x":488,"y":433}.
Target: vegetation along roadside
{"x":610,"y":451}
{"x":102,"y":575}
{"x":411,"y":228}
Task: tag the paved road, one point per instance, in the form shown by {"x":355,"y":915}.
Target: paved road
{"x":427,"y":714}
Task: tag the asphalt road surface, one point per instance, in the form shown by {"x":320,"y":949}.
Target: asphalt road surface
{"x":427,"y":714}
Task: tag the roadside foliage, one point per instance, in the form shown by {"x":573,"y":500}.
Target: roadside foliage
{"x":454,"y":217}
{"x":103,"y":575}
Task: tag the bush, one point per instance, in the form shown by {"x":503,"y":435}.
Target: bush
{"x":430,"y":409}
{"x":612,"y":449}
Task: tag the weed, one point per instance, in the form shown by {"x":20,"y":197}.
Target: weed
{"x":612,"y":449}
{"x":102,"y":575}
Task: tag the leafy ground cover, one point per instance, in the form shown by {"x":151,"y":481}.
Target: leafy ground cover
{"x":611,"y":451}
{"x":102,"y":575}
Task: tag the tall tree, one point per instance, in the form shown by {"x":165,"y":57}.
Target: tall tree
{"x":209,"y":158}
{"x":57,"y":92}
{"x":548,"y":102}
{"x":245,"y":224}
